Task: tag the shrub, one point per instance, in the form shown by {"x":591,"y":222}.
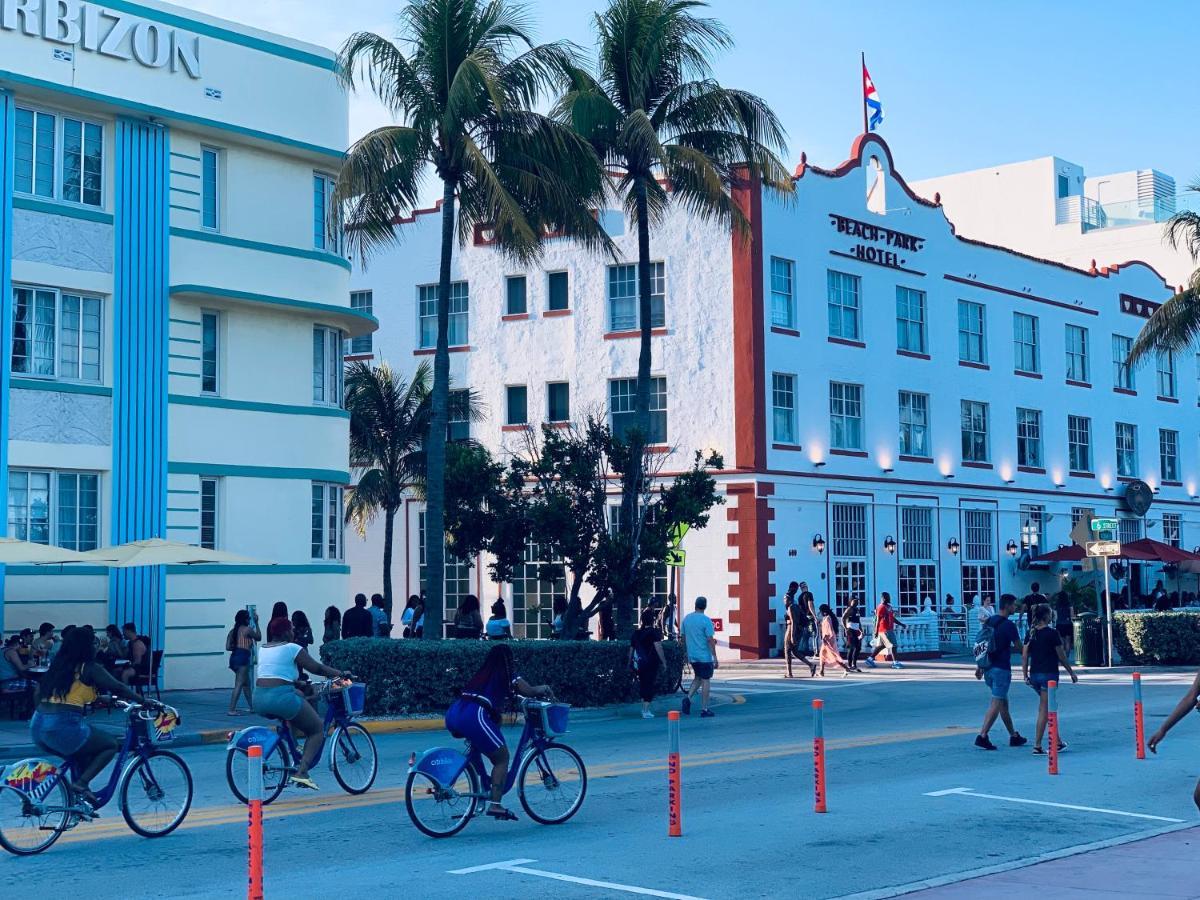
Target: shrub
{"x":412,"y":676}
{"x":1170,"y":638}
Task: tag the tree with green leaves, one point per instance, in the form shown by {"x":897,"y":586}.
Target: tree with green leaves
{"x":463,"y":81}
{"x":486,"y":510}
{"x":1175,"y":326}
{"x":670,"y":133}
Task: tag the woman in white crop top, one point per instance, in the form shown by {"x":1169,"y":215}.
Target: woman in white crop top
{"x":280,"y":663}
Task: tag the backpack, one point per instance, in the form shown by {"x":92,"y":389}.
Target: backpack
{"x":985,"y":646}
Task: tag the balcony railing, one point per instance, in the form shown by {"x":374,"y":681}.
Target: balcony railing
{"x":1123,"y":213}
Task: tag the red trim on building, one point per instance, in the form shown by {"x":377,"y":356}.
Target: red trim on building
{"x":556,"y":313}
{"x":657,"y":448}
{"x":974,"y":365}
{"x":623,"y":335}
{"x":846,"y":342}
{"x":408,"y":220}
{"x":358,"y":357}
{"x":835,"y":451}
{"x":915,"y":459}
{"x":525,"y":427}
{"x":556,"y":424}
{"x":1024,"y":295}
{"x":430,"y":351}
{"x":976,"y":465}
{"x":1023,"y":374}
{"x":751,"y":565}
{"x":1031,"y":470}
{"x":779,"y":329}
{"x":1126,"y":391}
{"x":1082,"y":474}
{"x":1082,"y":384}
{"x":1172,"y":484}
{"x":1168,"y":399}
{"x":793,"y":448}
{"x":749,"y":337}
{"x":912,"y":354}
{"x":515,"y":317}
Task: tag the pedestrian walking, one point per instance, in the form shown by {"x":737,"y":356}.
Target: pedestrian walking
{"x":1032,"y":601}
{"x":1040,"y":658}
{"x":1062,"y":621}
{"x":700,"y":640}
{"x":357,"y":620}
{"x":667,"y":624}
{"x":333,"y":625}
{"x":852,"y":625}
{"x":647,"y":658}
{"x":993,"y":663}
{"x":796,"y":631}
{"x":829,"y":636}
{"x":885,"y":631}
{"x":1189,"y":702}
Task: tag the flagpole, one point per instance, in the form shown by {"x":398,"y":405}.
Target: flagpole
{"x":863,"y":68}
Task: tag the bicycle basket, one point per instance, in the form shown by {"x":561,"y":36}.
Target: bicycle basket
{"x":555,"y":718}
{"x":165,"y":724}
{"x":348,"y":701}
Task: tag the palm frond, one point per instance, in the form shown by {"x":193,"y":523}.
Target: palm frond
{"x":1175,"y":326}
{"x":1183,"y":232}
{"x":380,"y":180}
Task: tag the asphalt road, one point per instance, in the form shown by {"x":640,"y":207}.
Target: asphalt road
{"x":897,"y":743}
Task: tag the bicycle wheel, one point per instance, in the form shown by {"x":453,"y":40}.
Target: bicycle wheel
{"x":353,"y":758}
{"x":437,"y":811}
{"x":275,"y":773}
{"x":29,"y":826}
{"x":156,"y":794}
{"x":552,"y":784}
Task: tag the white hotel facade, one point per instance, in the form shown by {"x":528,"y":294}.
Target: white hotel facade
{"x":172,"y":314}
{"x":900,"y":409}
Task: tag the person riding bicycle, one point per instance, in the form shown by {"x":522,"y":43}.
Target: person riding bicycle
{"x":74,"y":680}
{"x":280,"y":662}
{"x":475,"y":716}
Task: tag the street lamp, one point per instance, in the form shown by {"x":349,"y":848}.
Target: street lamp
{"x":819,"y":543}
{"x":889,"y":544}
{"x":952,"y":545}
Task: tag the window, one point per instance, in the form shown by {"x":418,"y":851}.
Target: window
{"x":65,"y":163}
{"x":327,"y":224}
{"x":558,"y":402}
{"x":208,"y":513}
{"x":910,"y":320}
{"x":783,"y":407}
{"x":56,"y":334}
{"x":460,"y":305}
{"x":538,"y":580}
{"x":516,"y":401}
{"x":557,"y":288}
{"x":844,"y":292}
{"x":1122,"y":373}
{"x":457,"y":583}
{"x":845,"y":416}
{"x":327,"y":366}
{"x":1126,"y":450}
{"x":783,"y":297}
{"x":623,"y":297}
{"x":327,"y":542}
{"x":1064,"y":186}
{"x":621,"y":405}
{"x":914,"y":424}
{"x":1029,"y":438}
{"x":60,"y":508}
{"x":516,"y":296}
{"x":975,"y":447}
{"x":917,"y":567}
{"x":1168,"y":454}
{"x":1081,"y":513}
{"x":1172,"y":529}
{"x":1025,"y":343}
{"x":848,"y":552}
{"x":1077,"y":354}
{"x":1033,"y":527}
{"x":210,"y":188}
{"x":364,"y":302}
{"x":1129,"y":530}
{"x":1167,"y":386}
{"x":979,"y":554}
{"x":458,"y":410}
{"x":1079,"y":443}
{"x":209,"y":352}
{"x":972,"y":346}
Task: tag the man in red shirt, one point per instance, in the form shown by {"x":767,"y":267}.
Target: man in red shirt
{"x":885,"y":628}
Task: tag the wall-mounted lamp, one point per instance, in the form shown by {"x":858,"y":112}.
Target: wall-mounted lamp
{"x":819,"y":465}
{"x":889,"y":544}
{"x":948,"y":476}
{"x":1108,"y":490}
{"x":1010,"y":481}
{"x":952,"y":545}
{"x":819,"y":544}
{"x":1011,"y":547}
{"x":888,"y":471}
{"x":1060,"y":486}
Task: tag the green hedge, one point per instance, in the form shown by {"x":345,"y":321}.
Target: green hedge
{"x":1169,"y":638}
{"x":415,"y":676}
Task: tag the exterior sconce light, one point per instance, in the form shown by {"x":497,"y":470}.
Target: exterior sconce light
{"x":889,"y":544}
{"x":819,"y":544}
{"x":952,"y":545}
{"x":1011,"y":547}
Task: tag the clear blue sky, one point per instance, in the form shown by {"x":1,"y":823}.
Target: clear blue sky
{"x":964,"y":84}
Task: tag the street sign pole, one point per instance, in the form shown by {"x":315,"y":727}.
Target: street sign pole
{"x":1108,"y":611}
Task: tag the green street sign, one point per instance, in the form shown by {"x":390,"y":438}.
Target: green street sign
{"x":1104,"y":524}
{"x":676,"y":558}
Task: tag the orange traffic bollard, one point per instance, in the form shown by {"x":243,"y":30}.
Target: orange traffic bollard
{"x":1052,"y":722}
{"x":674,"y":790}
{"x":818,"y":755}
{"x":254,"y":781}
{"x":1139,"y":724}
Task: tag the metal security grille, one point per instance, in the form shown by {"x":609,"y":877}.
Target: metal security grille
{"x":916,"y":532}
{"x":979,"y":546}
{"x":1129,"y":530}
{"x":849,"y":530}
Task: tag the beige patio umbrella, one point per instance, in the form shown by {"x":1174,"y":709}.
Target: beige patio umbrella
{"x":15,"y":552}
{"x":157,"y":552}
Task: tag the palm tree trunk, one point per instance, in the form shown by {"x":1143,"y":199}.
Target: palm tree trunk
{"x":389,"y":529}
{"x":435,"y":453}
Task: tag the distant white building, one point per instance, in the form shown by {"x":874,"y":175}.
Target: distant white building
{"x":900,"y":409}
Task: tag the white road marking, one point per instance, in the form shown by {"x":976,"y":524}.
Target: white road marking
{"x":1095,"y":809}
{"x":517,"y":866}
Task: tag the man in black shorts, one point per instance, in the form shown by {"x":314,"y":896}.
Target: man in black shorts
{"x":1062,"y":621}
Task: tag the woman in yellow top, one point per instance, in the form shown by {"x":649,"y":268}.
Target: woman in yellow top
{"x":73,"y":681}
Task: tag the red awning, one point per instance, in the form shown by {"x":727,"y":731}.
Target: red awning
{"x":1069,"y":553}
{"x":1150,"y":550}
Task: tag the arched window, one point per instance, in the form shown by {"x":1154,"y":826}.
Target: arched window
{"x":876,"y":187}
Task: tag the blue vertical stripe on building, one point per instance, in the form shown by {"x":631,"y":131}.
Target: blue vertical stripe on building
{"x":8,"y":125}
{"x":140,"y":340}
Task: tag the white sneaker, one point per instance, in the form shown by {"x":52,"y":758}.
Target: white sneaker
{"x":646,"y":714}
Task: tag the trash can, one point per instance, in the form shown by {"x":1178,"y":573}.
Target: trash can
{"x":1089,"y":640}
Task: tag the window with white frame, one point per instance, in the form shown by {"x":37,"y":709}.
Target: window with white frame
{"x":972,"y":340}
{"x":1127,"y":463}
{"x":1077,"y":354}
{"x":533,"y":592}
{"x":456,"y":328}
{"x":59,"y":157}
{"x":783,"y":407}
{"x":917,"y":569}
{"x":1122,"y":372}
{"x":56,"y":334}
{"x":210,"y":188}
{"x":1079,"y":443}
{"x":623,"y":297}
{"x":845,"y":292}
{"x":783,"y":295}
{"x":363,"y":302}
{"x":1079,"y":513}
{"x":209,"y":490}
{"x":1026,"y":357}
{"x":210,"y":337}
{"x":1029,"y":437}
{"x":845,"y":416}
{"x":327,"y":530}
{"x":327,"y":223}
{"x":848,"y":552}
{"x":1172,"y":524}
{"x":457,"y":583}
{"x":910,"y":320}
{"x":1033,"y":527}
{"x":1167,"y":385}
{"x":979,"y":554}
{"x":914,"y":424}
{"x":660,"y":575}
{"x":328,"y":366}
{"x":1168,"y":454}
{"x":622,"y":406}
{"x":55,"y":507}
{"x":975,"y":443}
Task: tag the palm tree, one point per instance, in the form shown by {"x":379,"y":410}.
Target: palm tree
{"x":462,"y":83}
{"x":1175,"y":325}
{"x":664,"y":126}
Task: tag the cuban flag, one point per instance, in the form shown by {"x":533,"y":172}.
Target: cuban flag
{"x":872,"y":106}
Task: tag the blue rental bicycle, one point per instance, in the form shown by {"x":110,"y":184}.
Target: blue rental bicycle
{"x":37,"y":803}
{"x":446,"y":787}
{"x":352,"y":753}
